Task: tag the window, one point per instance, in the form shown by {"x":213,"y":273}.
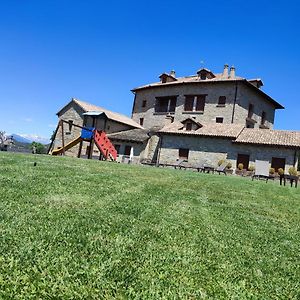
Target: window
{"x":263,"y":118}
{"x":165,"y":104}
{"x":250,"y":111}
{"x":117,"y":147}
{"x":70,"y":126}
{"x":219,"y":120}
{"x":141,"y":121}
{"x":127,"y":150}
{"x":189,"y":103}
{"x":278,"y":163}
{"x":222,"y":100}
{"x":189,"y":126}
{"x":243,"y":159}
{"x":194,"y":102}
{"x":144,"y":103}
{"x":183,"y":153}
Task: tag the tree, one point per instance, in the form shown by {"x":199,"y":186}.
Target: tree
{"x":3,"y":137}
{"x":37,"y":148}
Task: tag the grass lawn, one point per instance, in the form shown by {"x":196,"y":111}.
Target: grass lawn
{"x":82,"y":229}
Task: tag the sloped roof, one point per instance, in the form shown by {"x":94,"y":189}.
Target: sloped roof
{"x":207,"y":129}
{"x":218,"y":78}
{"x":110,"y":115}
{"x":133,"y":135}
{"x":269,"y":137}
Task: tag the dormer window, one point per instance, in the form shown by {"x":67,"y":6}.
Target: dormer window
{"x":204,"y":74}
{"x":188,"y":126}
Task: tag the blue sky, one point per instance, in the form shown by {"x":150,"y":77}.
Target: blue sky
{"x":51,"y":51}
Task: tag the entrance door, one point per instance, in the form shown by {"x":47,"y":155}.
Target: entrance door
{"x":243,"y":159}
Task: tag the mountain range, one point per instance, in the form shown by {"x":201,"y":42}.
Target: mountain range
{"x":29,"y":138}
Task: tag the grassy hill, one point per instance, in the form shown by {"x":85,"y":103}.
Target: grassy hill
{"x":79,"y":229}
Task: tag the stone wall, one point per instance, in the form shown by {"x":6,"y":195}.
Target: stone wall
{"x":214,"y":90}
{"x":211,"y":150}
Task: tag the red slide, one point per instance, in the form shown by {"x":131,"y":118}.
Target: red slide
{"x":104,"y":145}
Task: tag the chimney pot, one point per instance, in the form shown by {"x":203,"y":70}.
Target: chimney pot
{"x":225,"y":71}
{"x":232,"y":72}
{"x":173,"y":73}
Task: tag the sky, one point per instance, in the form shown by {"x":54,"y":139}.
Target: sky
{"x":97,"y":51}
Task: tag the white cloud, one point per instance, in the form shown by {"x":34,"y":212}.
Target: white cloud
{"x":36,"y":138}
{"x":52,"y":125}
{"x":28,"y":120}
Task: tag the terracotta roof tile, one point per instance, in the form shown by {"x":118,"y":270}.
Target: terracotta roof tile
{"x":111,"y":115}
{"x":207,"y":129}
{"x":134,"y":135}
{"x":269,"y":137}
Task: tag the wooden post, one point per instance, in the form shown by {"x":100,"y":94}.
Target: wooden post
{"x":62,"y":137}
{"x":80,"y":149}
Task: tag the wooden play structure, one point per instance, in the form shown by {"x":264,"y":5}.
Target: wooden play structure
{"x":88,"y":134}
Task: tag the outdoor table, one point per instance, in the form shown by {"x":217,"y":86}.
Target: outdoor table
{"x":291,"y":178}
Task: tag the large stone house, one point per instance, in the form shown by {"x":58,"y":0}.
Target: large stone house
{"x":205,"y":117}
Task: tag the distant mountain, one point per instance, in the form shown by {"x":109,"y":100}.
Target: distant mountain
{"x":29,"y":138}
{"x":20,"y":139}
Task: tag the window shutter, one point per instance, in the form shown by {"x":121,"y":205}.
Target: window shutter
{"x":189,"y":102}
{"x":200,"y":103}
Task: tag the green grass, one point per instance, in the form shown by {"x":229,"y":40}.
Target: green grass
{"x":79,"y":229}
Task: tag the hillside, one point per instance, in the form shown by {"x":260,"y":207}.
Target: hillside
{"x":78,"y":229}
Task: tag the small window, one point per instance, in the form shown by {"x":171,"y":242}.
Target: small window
{"x":144,"y":103}
{"x":219,"y":120}
{"x":117,"y":147}
{"x":127,"y":150}
{"x":222,"y":100}
{"x":70,"y":123}
{"x":263,"y":118}
{"x":189,"y":126}
{"x":141,"y":121}
{"x":183,"y":153}
{"x":203,"y":76}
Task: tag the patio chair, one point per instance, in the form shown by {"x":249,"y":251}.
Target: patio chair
{"x":199,"y":167}
{"x":262,"y":170}
{"x":222,"y":168}
{"x":180,"y":164}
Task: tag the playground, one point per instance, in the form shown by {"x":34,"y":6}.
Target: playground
{"x":88,"y":229}
{"x":90,"y":135}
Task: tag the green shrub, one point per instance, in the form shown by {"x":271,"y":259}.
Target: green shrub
{"x":280,"y":171}
{"x":272,"y":171}
{"x":240,"y":166}
{"x":293,"y":171}
{"x":229,"y":165}
{"x":251,"y":168}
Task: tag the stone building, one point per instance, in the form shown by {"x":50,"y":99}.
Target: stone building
{"x":88,"y":115}
{"x":205,"y":117}
{"x":205,"y":97}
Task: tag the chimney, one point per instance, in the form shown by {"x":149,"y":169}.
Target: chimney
{"x":173,"y":73}
{"x":225,"y":71}
{"x":232,"y":72}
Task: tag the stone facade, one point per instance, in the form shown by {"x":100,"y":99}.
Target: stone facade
{"x":74,"y":113}
{"x":241,"y":95}
{"x":212,"y":150}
